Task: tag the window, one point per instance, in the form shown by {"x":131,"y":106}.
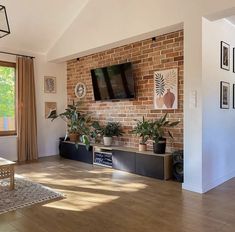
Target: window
{"x":7,"y":98}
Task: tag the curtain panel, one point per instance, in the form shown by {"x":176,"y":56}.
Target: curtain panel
{"x":27,"y":121}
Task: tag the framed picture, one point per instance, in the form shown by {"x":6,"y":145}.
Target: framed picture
{"x":233,"y":96}
{"x":224,"y":95}
{"x":234,"y":60}
{"x":225,"y":56}
{"x":49,"y":84}
{"x":80,"y":90}
{"x":50,"y":109}
{"x":166,"y":89}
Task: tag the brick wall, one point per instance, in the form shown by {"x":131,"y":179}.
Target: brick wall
{"x":146,"y":56}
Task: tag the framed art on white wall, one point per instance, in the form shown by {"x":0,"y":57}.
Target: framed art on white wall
{"x":233,"y":96}
{"x":50,"y":108}
{"x":49,"y":84}
{"x":225,"y":56}
{"x":234,"y":60}
{"x":224,"y":95}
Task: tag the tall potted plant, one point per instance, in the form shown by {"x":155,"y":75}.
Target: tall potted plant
{"x":142,"y":129}
{"x":157,"y":133}
{"x":74,"y":119}
{"x":108,"y":131}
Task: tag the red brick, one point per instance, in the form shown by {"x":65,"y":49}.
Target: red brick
{"x":147,"y":57}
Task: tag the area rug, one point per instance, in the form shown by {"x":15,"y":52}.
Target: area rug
{"x":26,"y":193}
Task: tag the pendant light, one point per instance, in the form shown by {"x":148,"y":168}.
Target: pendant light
{"x":4,"y":25}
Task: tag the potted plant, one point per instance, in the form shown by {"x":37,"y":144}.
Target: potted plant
{"x":108,"y":131}
{"x":142,"y":129}
{"x":74,"y":119}
{"x":157,"y":132}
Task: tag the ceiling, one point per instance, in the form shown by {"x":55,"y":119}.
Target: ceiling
{"x":232,"y":19}
{"x":37,"y":24}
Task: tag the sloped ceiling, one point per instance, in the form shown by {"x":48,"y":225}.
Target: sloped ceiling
{"x":37,"y":24}
{"x":232,"y":19}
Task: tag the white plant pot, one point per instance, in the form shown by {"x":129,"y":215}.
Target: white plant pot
{"x":107,"y":141}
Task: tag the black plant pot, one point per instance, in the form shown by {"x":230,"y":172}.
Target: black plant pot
{"x":160,"y":147}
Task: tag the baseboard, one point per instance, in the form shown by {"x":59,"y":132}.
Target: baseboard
{"x":208,"y":186}
{"x":47,"y":155}
{"x":192,"y":188}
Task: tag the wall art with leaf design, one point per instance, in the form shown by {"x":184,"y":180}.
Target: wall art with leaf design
{"x":166,"y":89}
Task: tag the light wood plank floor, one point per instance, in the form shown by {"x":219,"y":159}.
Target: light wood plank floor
{"x":104,"y":200}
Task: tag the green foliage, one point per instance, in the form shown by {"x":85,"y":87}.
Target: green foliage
{"x":74,"y":119}
{"x":157,"y":128}
{"x":160,"y":84}
{"x":109,"y":130}
{"x":7,"y":92}
{"x":77,"y":122}
{"x":142,"y":129}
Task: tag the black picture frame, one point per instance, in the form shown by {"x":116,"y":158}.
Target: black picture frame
{"x":233,"y":96}
{"x":234,"y":60}
{"x":224,"y":95}
{"x":224,"y":56}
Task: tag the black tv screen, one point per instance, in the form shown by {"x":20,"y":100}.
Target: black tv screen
{"x":113,"y":82}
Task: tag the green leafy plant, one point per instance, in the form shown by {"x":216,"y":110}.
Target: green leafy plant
{"x":160,"y":84}
{"x":157,"y":128}
{"x":142,"y":129}
{"x":71,"y":116}
{"x":77,"y":122}
{"x":109,"y":130}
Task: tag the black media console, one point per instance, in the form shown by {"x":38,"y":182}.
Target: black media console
{"x":145,"y":163}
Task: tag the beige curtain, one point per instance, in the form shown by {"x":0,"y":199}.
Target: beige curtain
{"x":27,"y":127}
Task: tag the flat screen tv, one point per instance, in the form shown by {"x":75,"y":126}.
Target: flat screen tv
{"x":113,"y":82}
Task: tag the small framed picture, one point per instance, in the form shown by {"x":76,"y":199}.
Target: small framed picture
{"x":80,"y":90}
{"x":50,"y":109}
{"x":234,"y":60}
{"x":49,"y":84}
{"x":224,"y":95}
{"x":225,"y":56}
{"x":233,"y":96}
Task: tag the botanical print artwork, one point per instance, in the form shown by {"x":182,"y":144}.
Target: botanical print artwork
{"x":49,"y":84}
{"x":166,"y":89}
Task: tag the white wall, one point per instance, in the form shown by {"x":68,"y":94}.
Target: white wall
{"x":218,"y":124}
{"x":104,"y":24}
{"x":48,"y":132}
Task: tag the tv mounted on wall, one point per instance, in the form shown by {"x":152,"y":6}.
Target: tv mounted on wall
{"x":113,"y":82}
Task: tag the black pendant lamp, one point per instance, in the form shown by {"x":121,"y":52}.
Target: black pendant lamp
{"x":4,"y":25}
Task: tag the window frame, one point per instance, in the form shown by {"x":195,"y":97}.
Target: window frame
{"x":10,"y":132}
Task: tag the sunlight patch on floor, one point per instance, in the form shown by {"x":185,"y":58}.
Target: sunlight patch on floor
{"x":81,"y":201}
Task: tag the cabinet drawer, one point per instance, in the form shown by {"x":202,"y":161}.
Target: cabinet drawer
{"x":150,"y":165}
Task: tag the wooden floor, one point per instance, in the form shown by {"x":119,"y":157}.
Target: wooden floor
{"x":103,"y":200}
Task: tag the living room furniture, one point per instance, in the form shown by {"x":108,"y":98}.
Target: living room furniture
{"x":7,"y":171}
{"x":68,"y":150}
{"x":145,"y":163}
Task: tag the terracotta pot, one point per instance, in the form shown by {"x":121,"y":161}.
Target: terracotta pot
{"x":142,"y":147}
{"x":160,"y":147}
{"x":107,"y":141}
{"x":73,"y":137}
{"x":169,"y":99}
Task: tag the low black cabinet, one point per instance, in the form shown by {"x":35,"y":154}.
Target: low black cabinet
{"x":124,"y":161}
{"x":150,"y":165}
{"x":69,"y":151}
